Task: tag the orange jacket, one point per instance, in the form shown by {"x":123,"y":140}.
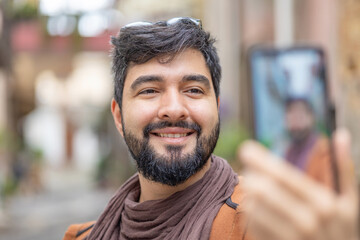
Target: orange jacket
{"x":319,"y":164}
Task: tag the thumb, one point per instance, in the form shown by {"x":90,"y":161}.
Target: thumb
{"x":348,"y":200}
{"x":345,"y":165}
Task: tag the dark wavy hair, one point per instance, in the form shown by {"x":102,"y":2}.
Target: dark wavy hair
{"x":139,"y":44}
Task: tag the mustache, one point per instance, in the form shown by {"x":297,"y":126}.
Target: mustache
{"x":163,"y":124}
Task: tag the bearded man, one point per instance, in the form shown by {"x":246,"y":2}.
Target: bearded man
{"x":166,"y":106}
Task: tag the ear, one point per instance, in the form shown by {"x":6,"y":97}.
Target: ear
{"x":115,"y":110}
{"x":218,"y":103}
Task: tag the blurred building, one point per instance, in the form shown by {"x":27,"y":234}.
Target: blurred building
{"x":348,"y":72}
{"x":61,"y":80}
{"x":7,"y":127}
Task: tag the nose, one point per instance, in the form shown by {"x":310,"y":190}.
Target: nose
{"x":172,"y":107}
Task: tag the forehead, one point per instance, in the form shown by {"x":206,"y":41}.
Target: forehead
{"x":171,"y":67}
{"x":299,"y":107}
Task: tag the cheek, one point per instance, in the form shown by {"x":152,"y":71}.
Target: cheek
{"x":205,"y":114}
{"x":137,"y":116}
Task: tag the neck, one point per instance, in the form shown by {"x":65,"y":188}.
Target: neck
{"x":151,"y":190}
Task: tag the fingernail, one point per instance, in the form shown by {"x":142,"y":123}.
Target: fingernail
{"x":343,"y":135}
{"x":246,"y":150}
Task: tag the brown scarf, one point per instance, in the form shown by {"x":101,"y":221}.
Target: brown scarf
{"x":187,"y":214}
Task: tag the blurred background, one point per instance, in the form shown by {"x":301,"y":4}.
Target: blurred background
{"x":60,"y":155}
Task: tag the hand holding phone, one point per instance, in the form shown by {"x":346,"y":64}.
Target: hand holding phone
{"x":282,"y":203}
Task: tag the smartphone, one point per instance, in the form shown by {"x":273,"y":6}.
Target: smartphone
{"x":292,"y":113}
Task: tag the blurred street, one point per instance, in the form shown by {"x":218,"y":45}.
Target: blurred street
{"x":68,"y":198}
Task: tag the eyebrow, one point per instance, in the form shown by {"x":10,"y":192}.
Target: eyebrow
{"x":155,"y":78}
{"x":197,"y":78}
{"x":144,"y":79}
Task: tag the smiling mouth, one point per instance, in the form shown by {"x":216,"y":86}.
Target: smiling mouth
{"x":171,"y":135}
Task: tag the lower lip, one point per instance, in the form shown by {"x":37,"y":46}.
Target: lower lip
{"x":174,"y":141}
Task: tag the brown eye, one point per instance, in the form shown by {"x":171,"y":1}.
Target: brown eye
{"x":147,"y":91}
{"x":195,"y":91}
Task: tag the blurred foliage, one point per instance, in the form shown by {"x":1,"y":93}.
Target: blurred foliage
{"x":8,"y":141}
{"x":37,"y":155}
{"x":231,"y":136}
{"x":25,"y":11}
{"x":8,"y":144}
{"x":115,"y":165}
{"x":24,"y":161}
{"x":8,"y":187}
{"x":112,"y":171}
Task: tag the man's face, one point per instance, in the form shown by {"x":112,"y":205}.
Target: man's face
{"x":299,"y":120}
{"x":169,"y":116}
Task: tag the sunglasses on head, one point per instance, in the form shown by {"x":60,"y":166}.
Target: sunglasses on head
{"x":171,"y":21}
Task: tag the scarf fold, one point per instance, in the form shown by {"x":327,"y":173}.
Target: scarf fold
{"x":186,"y":214}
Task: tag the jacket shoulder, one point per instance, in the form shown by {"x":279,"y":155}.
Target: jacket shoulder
{"x":78,"y":231}
{"x":231,"y":222}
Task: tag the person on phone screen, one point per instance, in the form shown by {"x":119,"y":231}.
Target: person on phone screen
{"x":308,"y":150}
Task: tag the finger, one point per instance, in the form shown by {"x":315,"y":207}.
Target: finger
{"x":348,"y":199}
{"x":263,"y":226}
{"x":258,"y":159}
{"x":348,"y":217}
{"x":344,"y":163}
{"x":271,"y":198}
{"x":334,"y":229}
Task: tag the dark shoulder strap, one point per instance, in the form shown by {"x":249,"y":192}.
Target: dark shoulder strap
{"x":230,"y":222}
{"x":78,"y":231}
{"x":231,"y":204}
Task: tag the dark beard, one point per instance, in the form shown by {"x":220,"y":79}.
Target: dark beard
{"x":176,"y":168}
{"x":300,"y":136}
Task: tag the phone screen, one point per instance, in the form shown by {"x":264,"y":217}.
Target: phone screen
{"x":291,"y":107}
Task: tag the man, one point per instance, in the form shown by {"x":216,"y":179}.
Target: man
{"x":308,"y":150}
{"x":166,"y":106}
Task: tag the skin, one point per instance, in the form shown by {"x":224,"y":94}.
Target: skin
{"x":299,"y":121}
{"x":284,"y":204}
{"x":158,"y":90}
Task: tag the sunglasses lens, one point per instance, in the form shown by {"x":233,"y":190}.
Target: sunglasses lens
{"x":173,"y":20}
{"x":169,"y":22}
{"x":137,"y":24}
{"x":177,"y":19}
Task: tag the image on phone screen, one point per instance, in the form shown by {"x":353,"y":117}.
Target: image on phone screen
{"x":290,"y":107}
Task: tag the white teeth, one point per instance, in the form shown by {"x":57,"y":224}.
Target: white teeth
{"x":169,"y":135}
